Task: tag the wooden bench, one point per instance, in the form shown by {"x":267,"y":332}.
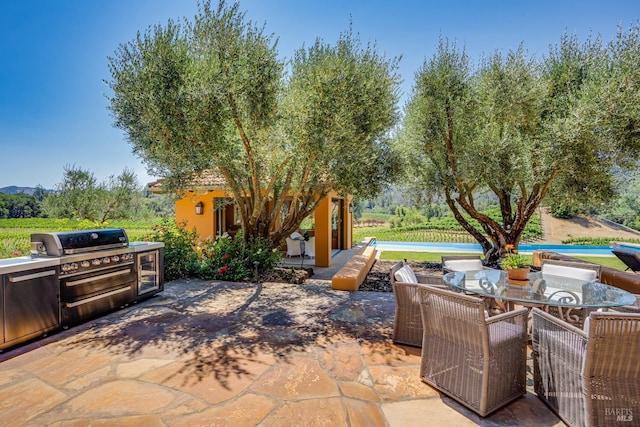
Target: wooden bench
{"x":353,"y":273}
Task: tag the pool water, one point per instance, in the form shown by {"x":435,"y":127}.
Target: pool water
{"x":475,"y":247}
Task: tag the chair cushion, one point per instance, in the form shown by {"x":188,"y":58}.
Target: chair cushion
{"x":463,"y":264}
{"x":573,"y":272}
{"x":405,"y":275}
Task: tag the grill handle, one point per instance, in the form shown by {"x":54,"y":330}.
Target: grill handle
{"x":94,"y":278}
{"x":25,"y":277}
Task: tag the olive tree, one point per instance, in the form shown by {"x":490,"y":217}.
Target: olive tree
{"x":212,"y":96}
{"x":81,"y":196}
{"x":518,"y":128}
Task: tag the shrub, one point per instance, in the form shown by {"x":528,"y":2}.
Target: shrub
{"x":180,"y":257}
{"x":234,"y":259}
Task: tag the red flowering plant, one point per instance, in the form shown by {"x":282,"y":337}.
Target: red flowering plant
{"x":234,"y":259}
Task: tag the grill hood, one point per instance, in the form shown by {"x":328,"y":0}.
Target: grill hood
{"x":78,"y":241}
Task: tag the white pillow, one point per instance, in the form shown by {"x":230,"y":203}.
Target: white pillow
{"x":463,"y":264}
{"x":405,"y":275}
{"x":573,"y":272}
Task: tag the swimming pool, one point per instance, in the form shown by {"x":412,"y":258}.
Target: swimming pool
{"x":475,"y":247}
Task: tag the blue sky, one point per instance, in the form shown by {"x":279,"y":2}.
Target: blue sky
{"x":53,"y":110}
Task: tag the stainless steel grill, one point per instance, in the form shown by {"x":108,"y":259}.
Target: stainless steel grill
{"x":96,"y":272}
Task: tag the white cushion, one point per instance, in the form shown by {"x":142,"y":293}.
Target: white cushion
{"x":405,"y":275}
{"x":463,"y":264}
{"x":573,"y":272}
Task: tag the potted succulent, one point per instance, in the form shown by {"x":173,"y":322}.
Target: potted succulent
{"x":517,"y":265}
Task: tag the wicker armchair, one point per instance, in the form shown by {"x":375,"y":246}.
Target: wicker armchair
{"x":407,"y":325}
{"x":478,"y":361}
{"x":589,"y":377}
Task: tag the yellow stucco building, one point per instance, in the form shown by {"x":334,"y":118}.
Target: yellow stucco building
{"x":212,"y":212}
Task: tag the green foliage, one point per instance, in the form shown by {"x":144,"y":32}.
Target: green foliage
{"x":441,"y":229}
{"x":625,"y":209}
{"x":212,"y":95}
{"x":406,"y":217}
{"x":562,"y":210}
{"x":15,"y":233}
{"x":81,"y":196}
{"x":234,"y":259}
{"x":180,"y":257}
{"x":184,"y":254}
{"x":412,"y":234}
{"x":159,"y":205}
{"x":514,"y":260}
{"x":377,"y":216}
{"x":19,"y":206}
{"x":522,"y":129}
{"x":77,"y":196}
{"x":597,"y":241}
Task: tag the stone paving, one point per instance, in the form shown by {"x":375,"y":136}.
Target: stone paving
{"x":236,"y":354}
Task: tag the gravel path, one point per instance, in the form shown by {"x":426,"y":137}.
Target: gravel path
{"x":378,"y":279}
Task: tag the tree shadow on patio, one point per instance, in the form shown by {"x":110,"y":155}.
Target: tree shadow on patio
{"x":217,"y":329}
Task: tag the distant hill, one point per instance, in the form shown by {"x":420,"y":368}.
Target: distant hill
{"x":13,"y":189}
{"x":557,"y":230}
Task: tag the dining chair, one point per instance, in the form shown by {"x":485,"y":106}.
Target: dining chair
{"x":310,"y":247}
{"x":477,"y":360}
{"x":590,"y":376}
{"x":407,"y":324}
{"x":575,"y":270}
{"x":294,"y":247}
{"x":461,"y":263}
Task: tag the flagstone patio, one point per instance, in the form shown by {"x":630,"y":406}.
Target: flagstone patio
{"x":237,"y":354}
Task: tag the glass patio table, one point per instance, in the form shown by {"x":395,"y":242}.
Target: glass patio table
{"x":540,"y":290}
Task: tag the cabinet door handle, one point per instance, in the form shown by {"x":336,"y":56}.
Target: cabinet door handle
{"x":16,"y":279}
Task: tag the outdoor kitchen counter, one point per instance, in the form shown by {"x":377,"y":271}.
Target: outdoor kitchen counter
{"x":145,"y":246}
{"x":23,"y":263}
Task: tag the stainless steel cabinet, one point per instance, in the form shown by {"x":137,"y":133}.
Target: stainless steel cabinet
{"x":30,"y":302}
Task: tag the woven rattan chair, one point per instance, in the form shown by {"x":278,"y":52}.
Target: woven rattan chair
{"x":407,"y":325}
{"x":478,"y":361}
{"x":589,"y":377}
